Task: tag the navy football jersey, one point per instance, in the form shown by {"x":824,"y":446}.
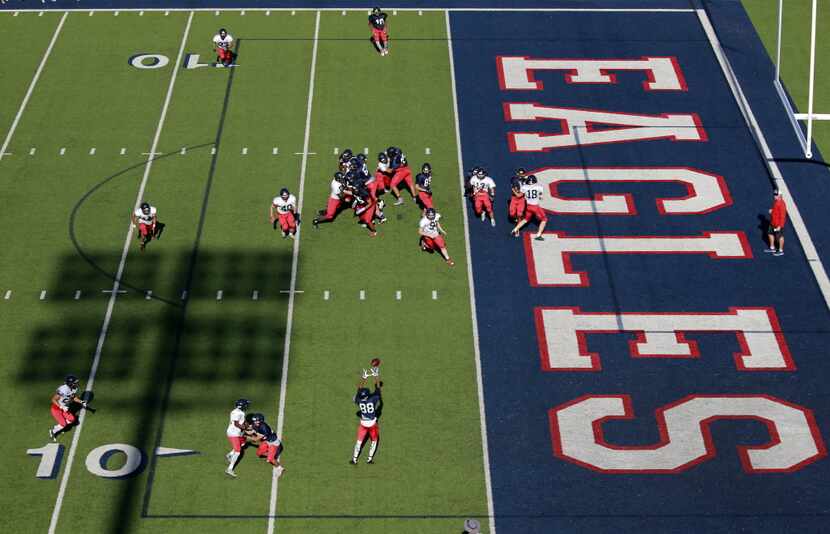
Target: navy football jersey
{"x":424,"y":182}
{"x":368,"y":409}
{"x":378,"y":21}
{"x":265,"y":430}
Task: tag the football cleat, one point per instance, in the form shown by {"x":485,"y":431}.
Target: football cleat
{"x":230,"y":472}
{"x":370,"y":460}
{"x":493,"y":223}
{"x":399,"y":201}
{"x":353,"y":461}
{"x":52,"y":435}
{"x":482,"y":216}
{"x":539,"y":238}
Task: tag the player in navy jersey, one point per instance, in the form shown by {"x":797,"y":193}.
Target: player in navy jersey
{"x":369,"y":405}
{"x":423,"y":185}
{"x":270,"y":446}
{"x":380,"y":38}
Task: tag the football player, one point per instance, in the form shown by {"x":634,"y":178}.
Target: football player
{"x":516,"y":208}
{"x":377,"y":21}
{"x":65,"y":397}
{"x":383,"y":175}
{"x":283,"y":212}
{"x":344,"y":159}
{"x":146,"y":218}
{"x":236,"y":434}
{"x":400,"y":173}
{"x":533,"y":196}
{"x":369,"y":405}
{"x":483,"y":191}
{"x":423,"y":185}
{"x":223,"y":44}
{"x":365,"y":209}
{"x":432,"y":234}
{"x":270,"y":446}
{"x":335,"y":202}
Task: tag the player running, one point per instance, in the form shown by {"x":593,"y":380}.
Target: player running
{"x":380,"y":38}
{"x":369,"y":405}
{"x":283,"y":212}
{"x":516,"y":208}
{"x":533,"y":196}
{"x":223,"y":44}
{"x":236,"y":434}
{"x":483,"y":189}
{"x":431,"y":233}
{"x":269,"y":445}
{"x":64,"y":401}
{"x":335,"y":202}
{"x":146,"y":218}
{"x":423,"y":185}
{"x":400,"y":173}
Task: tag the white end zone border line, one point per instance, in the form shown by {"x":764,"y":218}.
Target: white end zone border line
{"x":32,"y":86}
{"x":795,"y":216}
{"x":483,"y":417}
{"x":272,"y":508}
{"x":115,"y":287}
{"x":388,"y":8}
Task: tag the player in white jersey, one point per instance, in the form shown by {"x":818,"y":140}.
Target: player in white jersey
{"x":236,"y":434}
{"x":483,"y":189}
{"x":65,"y":397}
{"x":432,"y":234}
{"x":145,"y":217}
{"x":223,"y":44}
{"x":335,"y":202}
{"x":533,"y":196}
{"x":283,"y":212}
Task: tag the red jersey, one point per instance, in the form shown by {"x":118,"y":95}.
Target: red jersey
{"x":778,"y":213}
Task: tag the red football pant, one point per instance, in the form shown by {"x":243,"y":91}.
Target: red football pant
{"x":224,"y":54}
{"x":63,"y":418}
{"x":271,"y":450}
{"x":373,"y":432}
{"x":516,"y":208}
{"x":332,"y":208}
{"x":287,"y":222}
{"x":383,"y":180}
{"x":403,"y":174}
{"x":532,"y":211}
{"x":482,"y":201}
{"x":433,"y":243}
{"x":374,"y":187}
{"x":425,"y":199}
{"x":379,"y":35}
{"x":146,"y":230}
{"x":367,"y":215}
{"x":237,"y":442}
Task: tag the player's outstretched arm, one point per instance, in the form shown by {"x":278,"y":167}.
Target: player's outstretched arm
{"x":441,"y":229}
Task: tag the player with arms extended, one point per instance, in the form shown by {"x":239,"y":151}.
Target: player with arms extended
{"x":283,"y":212}
{"x":62,"y":401}
{"x":369,"y":404}
{"x":223,"y":44}
{"x":380,"y":38}
{"x":432,"y":234}
{"x":269,"y":446}
{"x":236,"y":434}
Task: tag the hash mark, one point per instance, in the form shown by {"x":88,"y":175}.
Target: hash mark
{"x":140,"y":13}
{"x":40,"y":14}
{"x":184,"y":295}
{"x":336,"y":151}
{"x":63,"y":151}
{"x":366,"y":151}
{"x":242,"y":14}
{"x":245,"y":151}
{"x":219,"y":295}
{"x":166,"y":13}
{"x":420,"y":13}
{"x":427,"y":151}
{"x":434,"y":294}
{"x":255,"y":295}
{"x":183,"y":151}
{"x":398,"y":295}
{"x":343,"y":13}
{"x":43,"y":294}
{"x":8,"y":294}
{"x":362,"y":295}
{"x":148,"y":295}
{"x":123,"y":151}
{"x":91,"y":13}
{"x":152,"y":154}
{"x":268,"y":13}
{"x":326,"y":294}
{"x":110,"y":291}
{"x":275,"y":151}
{"x":394,"y":12}
{"x":115,"y":14}
{"x":92,"y":151}
{"x":293,"y":13}
{"x":32,"y":151}
{"x":77,"y":294}
{"x":213,"y":151}
{"x":16,"y":13}
{"x":217,"y":13}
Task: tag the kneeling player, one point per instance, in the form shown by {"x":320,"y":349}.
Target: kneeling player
{"x":146,"y":218}
{"x":270,"y":446}
{"x":380,"y":38}
{"x":62,"y":402}
{"x":431,"y":234}
{"x":423,"y":185}
{"x":223,"y":44}
{"x":369,"y":406}
{"x":283,"y":212}
{"x":533,"y":196}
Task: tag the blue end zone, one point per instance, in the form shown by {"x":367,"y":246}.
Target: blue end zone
{"x":535,"y":491}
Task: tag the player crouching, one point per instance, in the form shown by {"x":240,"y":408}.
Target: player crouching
{"x":380,"y":38}
{"x":223,"y":44}
{"x":145,"y":217}
{"x":431,"y":233}
{"x":269,"y":446}
{"x":64,"y":406}
{"x":369,"y":406}
{"x":283,"y":213}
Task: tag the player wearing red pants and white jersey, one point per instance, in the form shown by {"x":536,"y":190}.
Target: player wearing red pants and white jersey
{"x":432,"y":234}
{"x":369,"y":405}
{"x":533,"y":196}
{"x":236,"y":434}
{"x":146,"y":218}
{"x":269,"y":445}
{"x":65,"y":396}
{"x":335,"y":203}
{"x":483,"y":191}
{"x":223,"y":44}
{"x":383,"y":175}
{"x":283,"y":213}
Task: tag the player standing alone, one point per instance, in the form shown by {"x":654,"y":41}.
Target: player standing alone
{"x":777,"y":219}
{"x":368,"y":405}
{"x":483,"y":191}
{"x":236,"y":434}
{"x":223,"y":44}
{"x":65,"y":396}
{"x":377,"y":21}
{"x":146,"y":218}
{"x":283,"y":212}
{"x":431,"y":233}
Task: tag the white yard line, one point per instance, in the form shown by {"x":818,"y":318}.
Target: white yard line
{"x":31,"y":88}
{"x":76,"y":434}
{"x":272,"y":508}
{"x":485,"y":450}
{"x":813,"y":258}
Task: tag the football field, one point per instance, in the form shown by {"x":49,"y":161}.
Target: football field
{"x":644,"y":368}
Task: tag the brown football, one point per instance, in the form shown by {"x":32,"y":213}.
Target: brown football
{"x":375,"y":362}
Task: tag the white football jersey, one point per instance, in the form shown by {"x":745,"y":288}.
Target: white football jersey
{"x":336,"y":189}
{"x":383,"y":167}
{"x":237,"y":416}
{"x":66,"y":394}
{"x":284,"y":206}
{"x":145,"y":219}
{"x":430,"y":228}
{"x":482,"y":185}
{"x":533,"y":193}
{"x":225,"y":42}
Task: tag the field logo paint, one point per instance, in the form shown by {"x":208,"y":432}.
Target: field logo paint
{"x":705,"y":192}
{"x":563,"y":346}
{"x":98,"y":458}
{"x":148,"y":61}
{"x":191,"y":61}
{"x":516,"y":72}
{"x":685,"y":440}
{"x":549,"y":261}
{"x":630,"y":127}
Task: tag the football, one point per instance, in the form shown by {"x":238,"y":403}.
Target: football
{"x":375,"y":362}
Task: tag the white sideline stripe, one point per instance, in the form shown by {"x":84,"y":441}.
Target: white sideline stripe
{"x":792,"y":210}
{"x":31,"y":88}
{"x":96,"y":360}
{"x":485,"y":450}
{"x":42,"y":294}
{"x":289,"y":291}
{"x":434,"y":10}
{"x":272,"y":508}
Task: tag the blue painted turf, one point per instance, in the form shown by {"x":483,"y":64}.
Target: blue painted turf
{"x":534,"y":491}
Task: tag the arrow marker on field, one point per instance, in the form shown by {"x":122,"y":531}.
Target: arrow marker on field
{"x":167,"y":451}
